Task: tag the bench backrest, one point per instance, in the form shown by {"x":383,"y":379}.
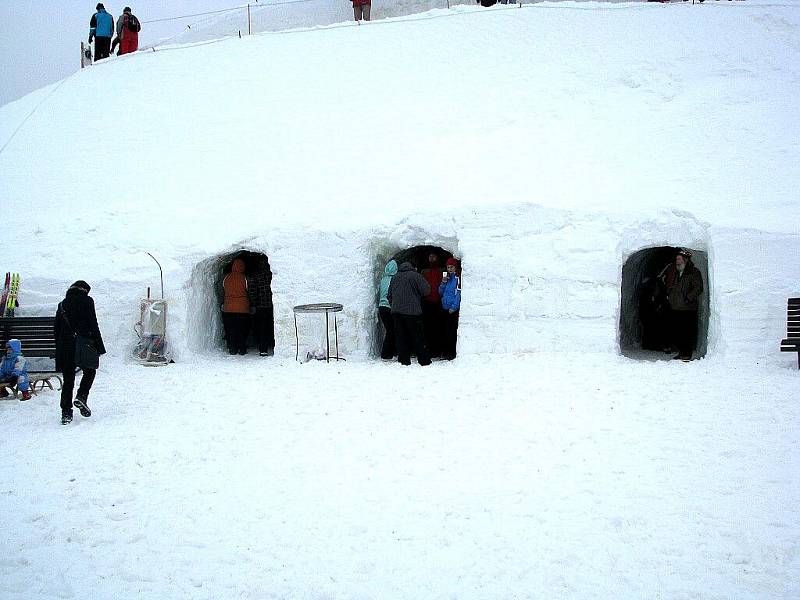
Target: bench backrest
{"x":793,"y":318}
{"x":35,"y":333}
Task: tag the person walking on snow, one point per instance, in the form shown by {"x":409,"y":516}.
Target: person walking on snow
{"x":76,"y":317}
{"x":389,"y":348}
{"x":684,"y":284}
{"x":405,"y":295}
{"x":14,"y":370}
{"x":450,"y":291}
{"x":259,"y":292}
{"x":128,"y":28}
{"x":236,"y":308}
{"x":361,"y":9}
{"x":101,"y":28}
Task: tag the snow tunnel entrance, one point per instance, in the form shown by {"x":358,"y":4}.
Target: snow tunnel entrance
{"x":210,"y":327}
{"x":647,"y":325}
{"x":440,"y":326}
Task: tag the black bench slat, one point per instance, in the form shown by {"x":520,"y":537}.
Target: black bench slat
{"x":37,"y":335}
{"x":792,"y":342}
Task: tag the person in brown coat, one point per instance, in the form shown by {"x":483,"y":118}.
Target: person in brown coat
{"x":236,"y":308}
{"x":684,"y":285}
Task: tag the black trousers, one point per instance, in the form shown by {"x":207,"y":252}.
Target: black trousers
{"x":102,"y":47}
{"x":432,"y":317}
{"x":449,"y":334}
{"x":237,"y":326}
{"x":389,"y":347}
{"x":409,"y":333}
{"x":68,"y":372}
{"x":684,"y":331}
{"x":264,"y":328}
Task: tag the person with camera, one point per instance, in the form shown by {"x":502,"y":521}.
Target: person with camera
{"x":450,"y":291}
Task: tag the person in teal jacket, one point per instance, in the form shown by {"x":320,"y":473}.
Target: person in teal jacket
{"x":450,"y":291}
{"x":101,"y":28}
{"x":389,"y":348}
{"x":14,"y":369}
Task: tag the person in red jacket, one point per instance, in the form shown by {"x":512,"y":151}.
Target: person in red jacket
{"x":128,"y":28}
{"x":432,"y":314}
{"x":236,"y":308}
{"x":361,"y":9}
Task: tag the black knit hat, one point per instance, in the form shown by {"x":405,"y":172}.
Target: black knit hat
{"x":126,"y":9}
{"x":82,"y":285}
{"x":99,"y":6}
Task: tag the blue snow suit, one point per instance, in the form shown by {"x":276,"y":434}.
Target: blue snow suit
{"x":101,"y":25}
{"x":450,"y":291}
{"x":14,"y":368}
{"x":389,"y":272}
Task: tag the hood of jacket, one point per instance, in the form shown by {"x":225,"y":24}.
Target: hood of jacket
{"x":238,"y":266}
{"x":16,"y":347}
{"x":406,"y":266}
{"x":391,"y":268}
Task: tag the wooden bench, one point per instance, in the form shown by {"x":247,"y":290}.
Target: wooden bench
{"x":38,"y":341}
{"x":792,"y":341}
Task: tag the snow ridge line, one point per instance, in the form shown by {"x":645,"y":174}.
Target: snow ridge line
{"x":35,"y":108}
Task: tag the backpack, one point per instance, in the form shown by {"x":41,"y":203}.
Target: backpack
{"x":132,"y":23}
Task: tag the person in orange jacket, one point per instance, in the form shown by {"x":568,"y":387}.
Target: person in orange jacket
{"x":128,"y":28}
{"x":236,"y":308}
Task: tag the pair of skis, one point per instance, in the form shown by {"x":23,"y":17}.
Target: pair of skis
{"x":8,"y":302}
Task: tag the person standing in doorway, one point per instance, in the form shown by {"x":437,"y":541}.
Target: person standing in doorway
{"x":101,"y":28}
{"x":259,"y":291}
{"x":361,"y":9}
{"x":236,"y":308}
{"x":389,"y":347}
{"x":405,"y":295}
{"x":432,"y":315}
{"x":684,"y":285}
{"x":450,"y":291}
{"x":76,"y":322}
{"x":128,"y":28}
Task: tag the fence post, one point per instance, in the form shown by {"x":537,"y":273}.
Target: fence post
{"x":448,"y":3}
{"x":248,"y":20}
{"x":83,"y":57}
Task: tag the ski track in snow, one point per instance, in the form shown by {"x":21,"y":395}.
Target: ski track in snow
{"x":542,"y":476}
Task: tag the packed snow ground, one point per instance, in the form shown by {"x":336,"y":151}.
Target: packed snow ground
{"x":545,"y":476}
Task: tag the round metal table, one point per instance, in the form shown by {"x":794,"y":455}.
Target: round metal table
{"x":320,"y":307}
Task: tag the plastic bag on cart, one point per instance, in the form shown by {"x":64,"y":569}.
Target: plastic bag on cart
{"x":152,"y":348}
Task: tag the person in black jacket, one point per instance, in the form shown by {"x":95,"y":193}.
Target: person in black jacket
{"x":259,"y":290}
{"x":405,"y":296}
{"x":75,"y":316}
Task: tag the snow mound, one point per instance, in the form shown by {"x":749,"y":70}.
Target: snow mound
{"x":543,"y":163}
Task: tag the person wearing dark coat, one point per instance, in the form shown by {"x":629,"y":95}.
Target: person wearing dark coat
{"x":75,"y":316}
{"x":684,"y":285}
{"x":259,"y":290}
{"x":405,"y":297}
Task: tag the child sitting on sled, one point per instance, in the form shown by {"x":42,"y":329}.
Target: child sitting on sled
{"x":14,"y":370}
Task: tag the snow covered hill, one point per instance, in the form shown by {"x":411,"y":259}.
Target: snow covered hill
{"x":558,"y":150}
{"x":543,"y":145}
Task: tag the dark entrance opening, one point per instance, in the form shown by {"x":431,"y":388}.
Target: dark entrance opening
{"x":645,"y":327}
{"x":440,"y":327}
{"x":261,"y":321}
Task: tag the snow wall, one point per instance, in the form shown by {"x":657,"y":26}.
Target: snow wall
{"x":534,"y":279}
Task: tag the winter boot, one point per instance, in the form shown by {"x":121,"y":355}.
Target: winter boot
{"x":26,"y":395}
{"x":3,"y":392}
{"x":66,"y":417}
{"x":80,"y":404}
